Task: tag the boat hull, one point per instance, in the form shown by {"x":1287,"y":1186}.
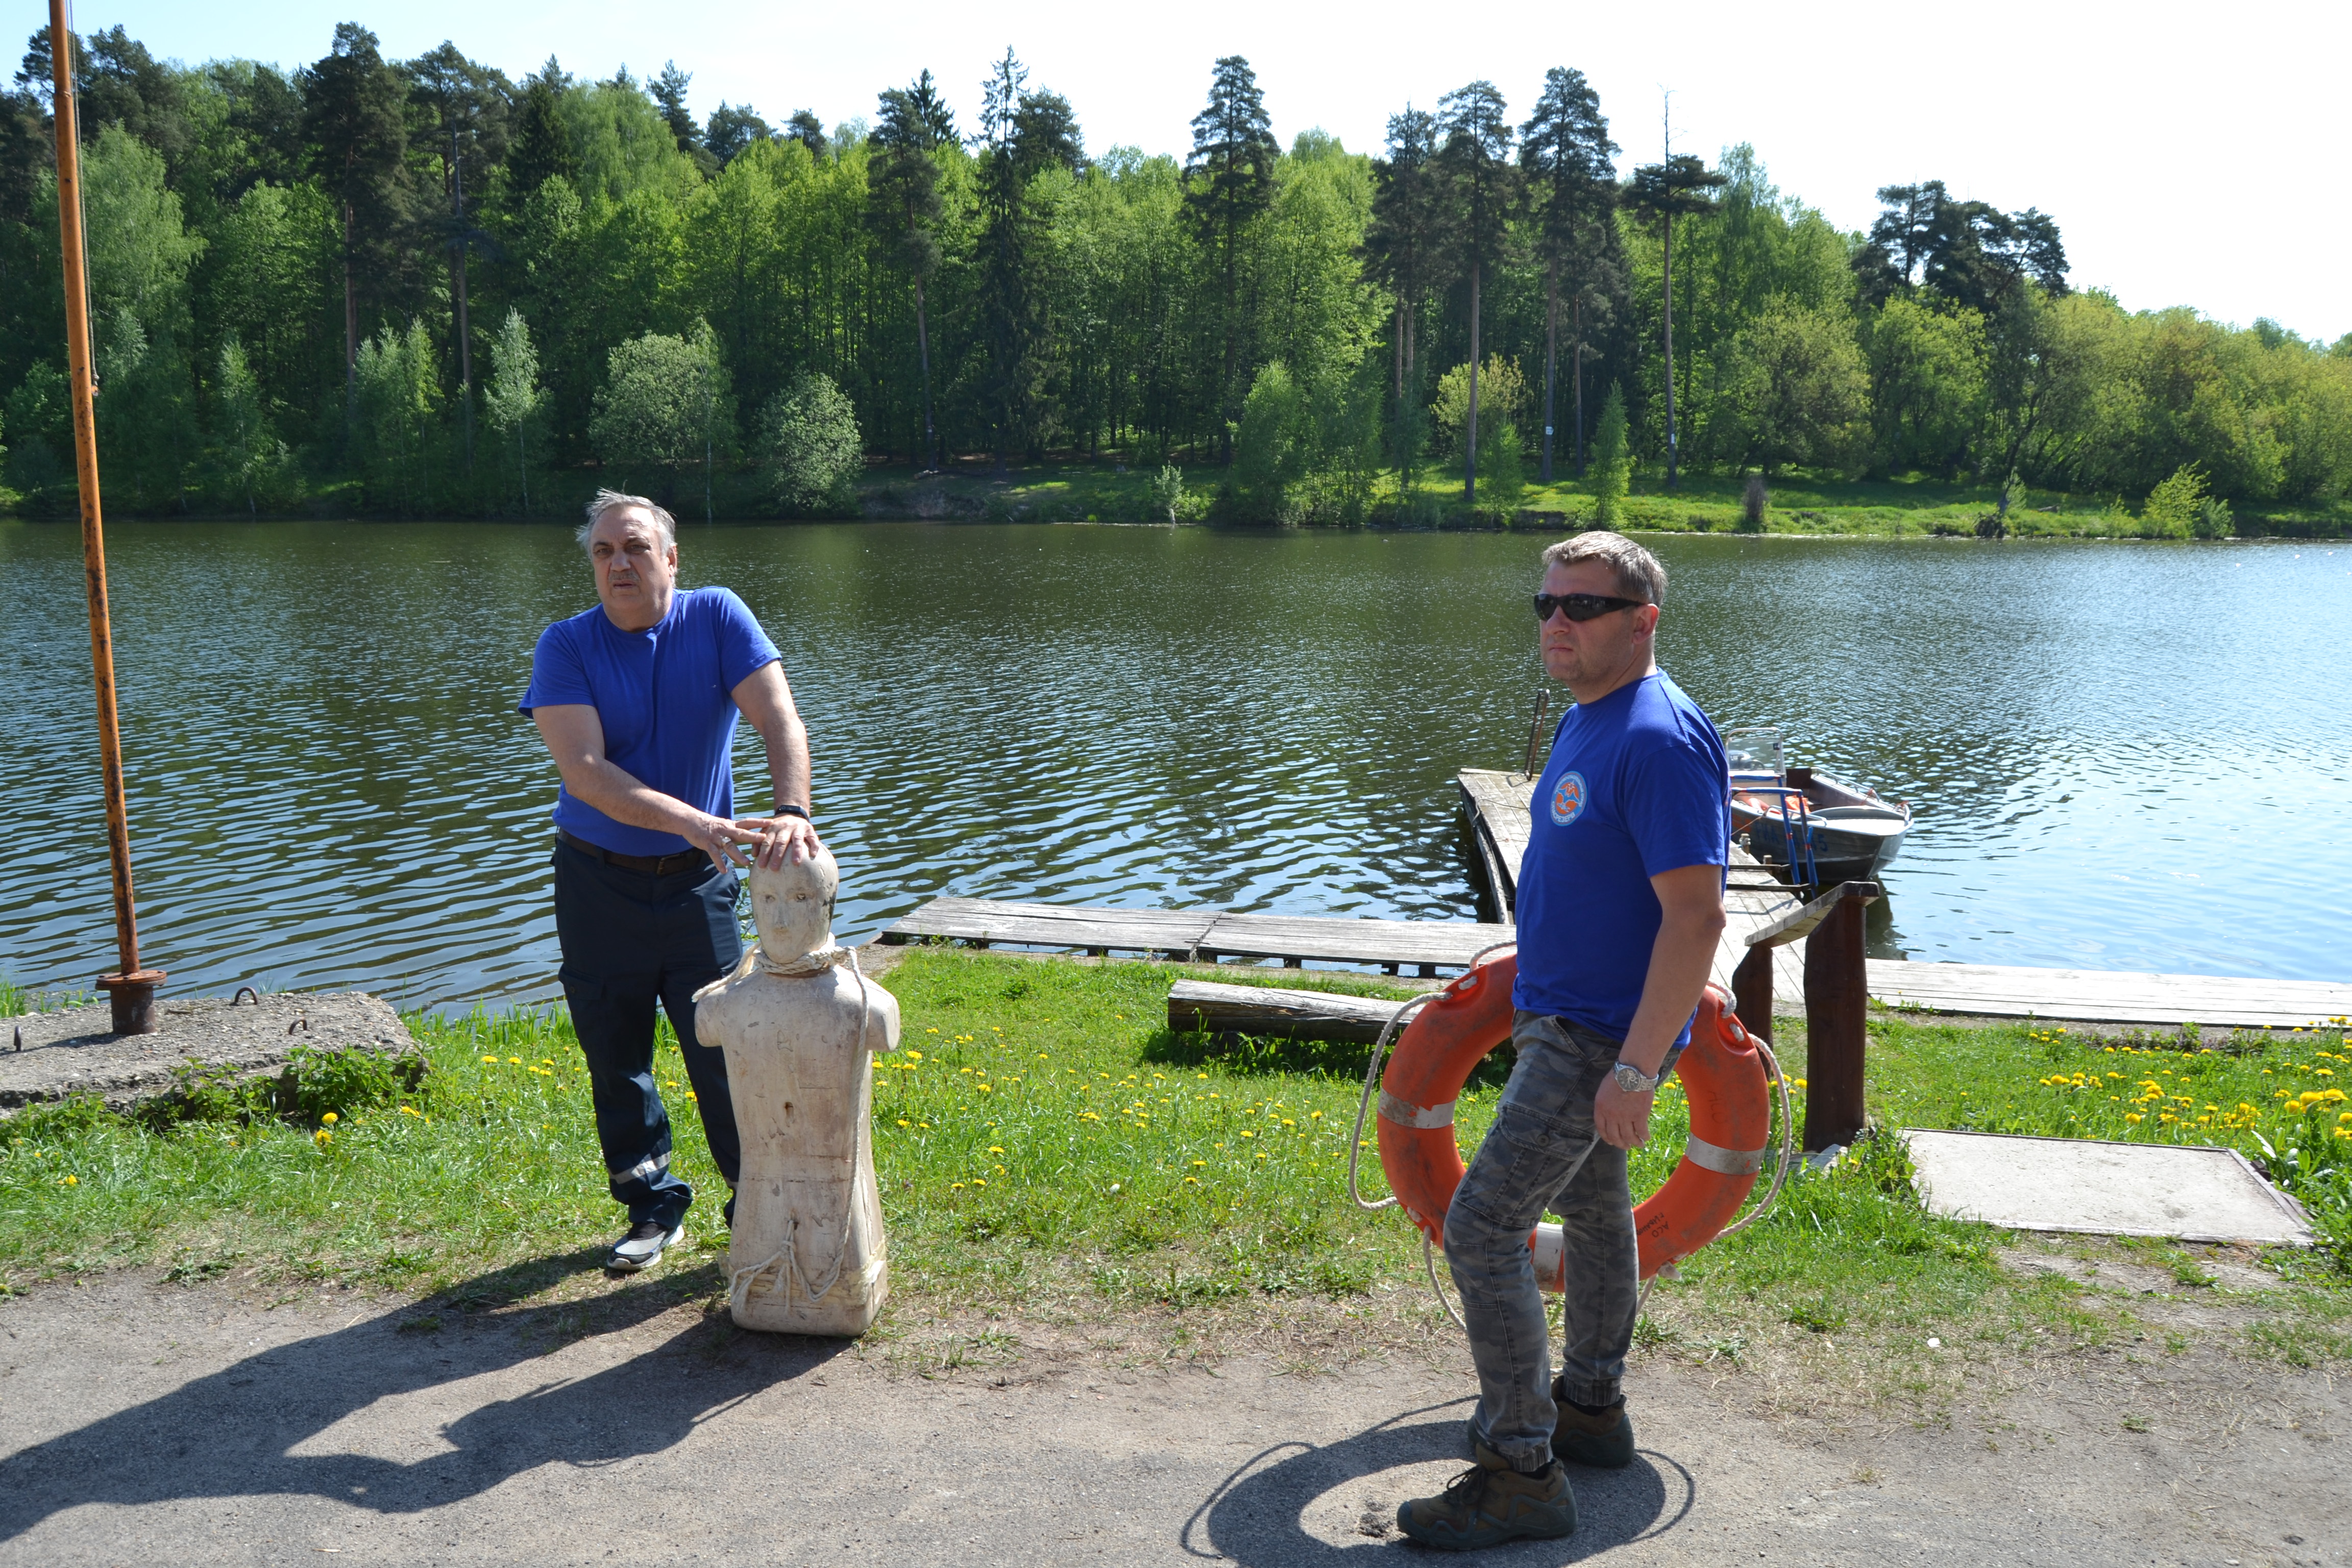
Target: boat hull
{"x":1851,"y":843}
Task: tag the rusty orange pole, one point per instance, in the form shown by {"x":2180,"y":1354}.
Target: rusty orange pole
{"x":131,"y":988}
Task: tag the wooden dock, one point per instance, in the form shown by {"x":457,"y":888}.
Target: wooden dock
{"x":1494,"y":807}
{"x":1205,"y":936}
{"x":1495,"y":820}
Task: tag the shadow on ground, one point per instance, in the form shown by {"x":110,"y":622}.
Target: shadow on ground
{"x":1258,"y":1515}
{"x":235,"y":1432}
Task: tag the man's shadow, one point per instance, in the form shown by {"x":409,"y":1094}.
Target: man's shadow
{"x":234,"y":1433}
{"x":1256,"y":1517}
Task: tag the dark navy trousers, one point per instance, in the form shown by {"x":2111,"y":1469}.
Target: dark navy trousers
{"x":630,"y":940}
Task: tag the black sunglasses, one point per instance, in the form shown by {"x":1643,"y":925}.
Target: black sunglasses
{"x":1580,"y":606}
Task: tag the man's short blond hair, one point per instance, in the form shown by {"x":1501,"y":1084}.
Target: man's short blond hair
{"x":607,"y":503}
{"x":1639,"y":574}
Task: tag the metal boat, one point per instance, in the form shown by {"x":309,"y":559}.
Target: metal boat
{"x":1811,"y":829}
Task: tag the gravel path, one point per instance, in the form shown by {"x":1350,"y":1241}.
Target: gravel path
{"x":145,"y":1422}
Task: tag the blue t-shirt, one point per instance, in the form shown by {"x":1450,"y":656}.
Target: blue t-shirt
{"x":1636,"y":785}
{"x":665,"y":696}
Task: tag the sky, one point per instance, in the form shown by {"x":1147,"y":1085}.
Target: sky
{"x":2173,"y":143}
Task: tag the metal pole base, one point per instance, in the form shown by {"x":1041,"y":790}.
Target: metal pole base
{"x":134,"y":998}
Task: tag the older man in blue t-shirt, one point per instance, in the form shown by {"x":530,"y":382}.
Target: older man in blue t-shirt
{"x":637,"y":699}
{"x":1620,"y":906}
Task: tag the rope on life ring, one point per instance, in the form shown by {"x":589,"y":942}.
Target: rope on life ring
{"x":1727,"y":1075}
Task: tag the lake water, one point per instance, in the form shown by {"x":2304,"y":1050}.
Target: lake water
{"x":2123,"y":756}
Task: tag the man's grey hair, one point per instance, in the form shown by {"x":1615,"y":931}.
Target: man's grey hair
{"x":610,"y":501}
{"x":1638,"y":573}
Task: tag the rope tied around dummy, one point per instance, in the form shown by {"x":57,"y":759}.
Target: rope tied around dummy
{"x":785,"y":1259}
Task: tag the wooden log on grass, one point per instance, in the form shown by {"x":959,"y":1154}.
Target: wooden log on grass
{"x":1219,"y":1009}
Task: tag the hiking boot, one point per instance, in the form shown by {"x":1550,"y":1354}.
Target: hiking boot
{"x":1490,"y":1503}
{"x":1604,"y":1441}
{"x":643,"y":1246}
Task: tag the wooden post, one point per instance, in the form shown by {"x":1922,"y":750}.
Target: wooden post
{"x":1752,"y":990}
{"x":131,"y":989}
{"x":1837,"y":1001}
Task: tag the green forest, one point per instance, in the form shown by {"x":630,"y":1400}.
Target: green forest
{"x":371,"y":287}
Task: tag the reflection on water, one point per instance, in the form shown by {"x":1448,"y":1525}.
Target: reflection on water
{"x":2123,"y":756}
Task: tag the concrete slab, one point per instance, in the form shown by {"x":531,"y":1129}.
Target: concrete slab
{"x":50,"y":1056}
{"x":2193,"y":1193}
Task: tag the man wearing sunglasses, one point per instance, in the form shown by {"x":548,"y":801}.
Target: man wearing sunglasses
{"x":1620,"y":906}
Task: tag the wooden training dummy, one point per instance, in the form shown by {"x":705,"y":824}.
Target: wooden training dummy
{"x":800,"y":1026}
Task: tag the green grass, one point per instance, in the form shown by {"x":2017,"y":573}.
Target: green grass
{"x":1911,"y":506}
{"x":1049,"y":1152}
{"x":2277,"y":1096}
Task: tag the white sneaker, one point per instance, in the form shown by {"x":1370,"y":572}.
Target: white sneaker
{"x":643,"y":1246}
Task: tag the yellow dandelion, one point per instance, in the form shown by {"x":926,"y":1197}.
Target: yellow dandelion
{"x":331,"y":1118}
{"x":904,"y":1122}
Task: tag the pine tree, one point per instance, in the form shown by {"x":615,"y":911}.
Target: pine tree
{"x":542,"y":145}
{"x":1476,"y":161}
{"x":1565,"y":150}
{"x":668,"y":92}
{"x":1010,"y":312}
{"x":903,"y":205}
{"x":355,"y":124}
{"x":1682,"y":186}
{"x":1230,"y":180}
{"x":1401,"y":246}
{"x":469,"y":107}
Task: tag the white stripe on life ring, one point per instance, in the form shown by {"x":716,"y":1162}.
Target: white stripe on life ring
{"x":1723,"y":1161}
{"x":1404,"y":1113}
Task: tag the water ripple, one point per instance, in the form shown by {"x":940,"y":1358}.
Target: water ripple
{"x":330,"y":785}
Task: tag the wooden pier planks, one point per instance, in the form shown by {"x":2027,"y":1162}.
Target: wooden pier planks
{"x":1176,"y":932}
{"x":2109,"y":996}
{"x":1205,"y":934}
{"x":1495,"y":808}
{"x":1293,"y":938}
{"x":1494,"y":812}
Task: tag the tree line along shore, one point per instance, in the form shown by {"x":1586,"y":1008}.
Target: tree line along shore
{"x":422,"y":288}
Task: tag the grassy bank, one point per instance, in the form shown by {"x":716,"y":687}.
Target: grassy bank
{"x":1111,"y":493}
{"x":1908,"y":507}
{"x":1050,"y":1153}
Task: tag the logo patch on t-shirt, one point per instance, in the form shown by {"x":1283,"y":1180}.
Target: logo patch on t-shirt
{"x":1567,"y":798}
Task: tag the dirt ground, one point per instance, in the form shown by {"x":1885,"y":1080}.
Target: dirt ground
{"x":144,"y":1421}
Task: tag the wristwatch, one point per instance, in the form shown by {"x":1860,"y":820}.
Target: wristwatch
{"x":1632,"y":1080}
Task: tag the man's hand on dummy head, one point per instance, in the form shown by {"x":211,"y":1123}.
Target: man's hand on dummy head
{"x":769,"y":841}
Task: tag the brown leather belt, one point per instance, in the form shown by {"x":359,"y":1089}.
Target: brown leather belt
{"x":659,"y":865}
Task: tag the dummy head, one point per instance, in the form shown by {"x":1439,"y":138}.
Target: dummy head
{"x":792,"y":905}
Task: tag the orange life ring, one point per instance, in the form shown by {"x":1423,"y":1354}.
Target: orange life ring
{"x":1722,"y":1076}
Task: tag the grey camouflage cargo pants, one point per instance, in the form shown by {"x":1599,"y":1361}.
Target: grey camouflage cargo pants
{"x":1541,"y":1153}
